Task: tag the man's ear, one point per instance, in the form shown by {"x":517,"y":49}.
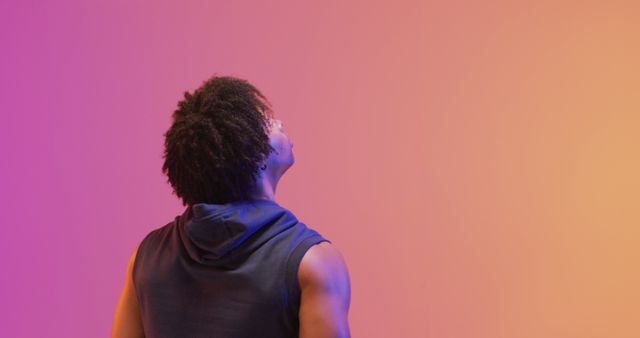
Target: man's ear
{"x":265,"y":158}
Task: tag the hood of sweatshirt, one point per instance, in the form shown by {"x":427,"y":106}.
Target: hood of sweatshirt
{"x":225,"y":234}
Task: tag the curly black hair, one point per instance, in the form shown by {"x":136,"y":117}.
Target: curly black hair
{"x":218,"y":137}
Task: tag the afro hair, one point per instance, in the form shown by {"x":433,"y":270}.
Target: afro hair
{"x":217,"y":139}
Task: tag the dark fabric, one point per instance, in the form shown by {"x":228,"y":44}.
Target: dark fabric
{"x":223,"y":270}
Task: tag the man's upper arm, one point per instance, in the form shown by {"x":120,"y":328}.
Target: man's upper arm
{"x":325,"y":293}
{"x":127,"y":322}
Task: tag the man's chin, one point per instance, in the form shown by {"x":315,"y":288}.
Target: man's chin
{"x":292,"y":161}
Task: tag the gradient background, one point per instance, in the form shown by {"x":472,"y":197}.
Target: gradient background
{"x":475,"y":162}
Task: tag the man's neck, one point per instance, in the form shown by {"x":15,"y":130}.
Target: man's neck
{"x":265,"y":188}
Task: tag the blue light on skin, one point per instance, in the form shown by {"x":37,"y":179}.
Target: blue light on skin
{"x":278,"y":162}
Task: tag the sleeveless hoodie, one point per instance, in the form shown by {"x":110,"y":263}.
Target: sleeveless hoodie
{"x":223,"y":270}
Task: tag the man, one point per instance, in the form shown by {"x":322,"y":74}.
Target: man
{"x":235,"y":263}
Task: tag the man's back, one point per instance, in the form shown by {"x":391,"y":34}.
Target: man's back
{"x":232,"y":278}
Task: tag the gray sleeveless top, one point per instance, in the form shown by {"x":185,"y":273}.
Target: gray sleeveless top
{"x":223,"y":270}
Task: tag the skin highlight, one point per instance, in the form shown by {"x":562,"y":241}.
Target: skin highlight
{"x":278,"y":162}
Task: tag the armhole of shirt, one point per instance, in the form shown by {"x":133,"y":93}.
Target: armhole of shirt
{"x":134,"y":271}
{"x":293,"y":263}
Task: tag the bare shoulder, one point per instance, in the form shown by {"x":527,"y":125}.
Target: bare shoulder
{"x":132,"y":257}
{"x":322,"y":263}
{"x":323,"y":276}
{"x":127,"y":320}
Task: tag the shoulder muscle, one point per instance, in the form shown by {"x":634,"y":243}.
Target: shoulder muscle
{"x":127,"y":321}
{"x":325,"y":290}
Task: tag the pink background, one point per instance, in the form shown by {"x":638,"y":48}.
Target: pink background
{"x":476,"y":162}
